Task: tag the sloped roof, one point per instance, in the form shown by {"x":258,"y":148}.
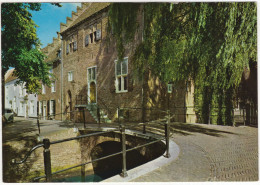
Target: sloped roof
{"x":9,"y":76}
{"x":92,"y":9}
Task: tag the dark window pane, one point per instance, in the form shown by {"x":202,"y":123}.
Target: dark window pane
{"x":125,"y":83}
{"x":119,"y":84}
{"x":89,"y":74}
{"x":118,"y":68}
{"x":124,"y":67}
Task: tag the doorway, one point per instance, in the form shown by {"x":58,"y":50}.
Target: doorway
{"x":92,"y":90}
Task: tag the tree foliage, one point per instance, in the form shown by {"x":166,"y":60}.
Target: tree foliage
{"x":21,"y":46}
{"x":208,"y":43}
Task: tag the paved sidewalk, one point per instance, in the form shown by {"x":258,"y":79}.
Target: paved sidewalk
{"x":210,"y":153}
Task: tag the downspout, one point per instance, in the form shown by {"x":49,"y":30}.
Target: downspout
{"x":61,"y":82}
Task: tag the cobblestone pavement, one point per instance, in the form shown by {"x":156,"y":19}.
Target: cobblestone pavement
{"x":210,"y":153}
{"x":207,"y":152}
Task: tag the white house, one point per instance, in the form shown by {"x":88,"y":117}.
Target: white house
{"x":16,"y":97}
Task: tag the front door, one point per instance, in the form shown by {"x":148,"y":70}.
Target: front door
{"x":92,"y":90}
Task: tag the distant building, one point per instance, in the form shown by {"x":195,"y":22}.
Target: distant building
{"x":16,"y":97}
{"x":50,"y":97}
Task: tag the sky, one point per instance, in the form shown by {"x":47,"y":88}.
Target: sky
{"x":49,"y":18}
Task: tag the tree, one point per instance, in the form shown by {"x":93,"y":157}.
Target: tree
{"x":209,"y":43}
{"x":21,"y":46}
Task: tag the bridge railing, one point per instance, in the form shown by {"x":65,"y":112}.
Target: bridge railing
{"x":122,"y":127}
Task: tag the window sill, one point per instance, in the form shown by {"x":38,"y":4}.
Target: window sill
{"x":122,"y":91}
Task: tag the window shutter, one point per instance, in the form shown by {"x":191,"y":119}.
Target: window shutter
{"x":75,"y":46}
{"x":67,"y":51}
{"x":98,"y":34}
{"x":86,"y":40}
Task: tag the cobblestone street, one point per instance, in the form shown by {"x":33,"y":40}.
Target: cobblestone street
{"x":207,"y":152}
{"x":210,"y":153}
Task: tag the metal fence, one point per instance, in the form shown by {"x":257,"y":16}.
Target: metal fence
{"x":121,"y":129}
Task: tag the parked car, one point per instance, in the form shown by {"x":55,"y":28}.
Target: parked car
{"x":9,"y":115}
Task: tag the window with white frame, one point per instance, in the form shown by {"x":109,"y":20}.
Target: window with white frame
{"x":40,"y":107}
{"x":169,"y":88}
{"x":91,"y":74}
{"x":31,"y":107}
{"x":70,"y":76}
{"x":53,"y":86}
{"x":51,"y":72}
{"x":121,"y":75}
{"x":43,"y":89}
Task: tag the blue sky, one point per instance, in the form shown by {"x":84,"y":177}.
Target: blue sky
{"x":49,"y":18}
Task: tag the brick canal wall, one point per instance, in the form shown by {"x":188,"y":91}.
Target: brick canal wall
{"x":67,"y":154}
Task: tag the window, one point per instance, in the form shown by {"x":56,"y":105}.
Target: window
{"x":40,"y":107}
{"x":51,"y":72}
{"x":70,"y":76}
{"x":93,"y":34}
{"x":43,"y":89}
{"x":31,"y":107}
{"x":53,"y":86}
{"x":92,"y":74}
{"x":72,"y":44}
{"x":52,"y":107}
{"x":91,"y":37}
{"x":59,"y":53}
{"x":121,"y":75}
{"x":169,"y":87}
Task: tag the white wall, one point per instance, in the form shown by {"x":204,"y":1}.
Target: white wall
{"x":14,"y":99}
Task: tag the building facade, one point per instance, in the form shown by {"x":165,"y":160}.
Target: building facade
{"x":49,"y":100}
{"x":17,"y":99}
{"x":90,"y":77}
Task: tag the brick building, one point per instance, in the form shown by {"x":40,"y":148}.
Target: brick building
{"x":49,"y":101}
{"x":89,"y":77}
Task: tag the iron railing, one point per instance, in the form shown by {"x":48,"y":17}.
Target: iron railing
{"x":47,"y":153}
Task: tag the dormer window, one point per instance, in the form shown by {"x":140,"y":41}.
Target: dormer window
{"x":72,"y":44}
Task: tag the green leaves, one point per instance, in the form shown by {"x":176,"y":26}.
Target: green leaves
{"x":20,"y":45}
{"x":210,"y":43}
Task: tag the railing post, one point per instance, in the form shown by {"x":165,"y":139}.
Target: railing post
{"x":38,"y":124}
{"x":83,"y":173}
{"x":167,"y":134}
{"x":84,"y":118}
{"x":144,"y":128}
{"x":98,"y":115}
{"x":47,"y":159}
{"x":122,"y":128}
{"x":118,"y":114}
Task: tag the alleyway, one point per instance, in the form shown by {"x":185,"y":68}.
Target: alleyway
{"x":207,"y":152}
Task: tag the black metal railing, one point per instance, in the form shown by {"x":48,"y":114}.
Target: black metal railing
{"x":47,"y":153}
{"x":81,"y":100}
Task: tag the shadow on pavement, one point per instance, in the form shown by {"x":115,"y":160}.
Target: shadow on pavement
{"x":20,"y":172}
{"x":188,"y":129}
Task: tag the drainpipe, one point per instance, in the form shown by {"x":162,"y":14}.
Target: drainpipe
{"x":61,"y":82}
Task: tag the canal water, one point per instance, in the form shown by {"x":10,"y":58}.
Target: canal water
{"x":89,"y":178}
